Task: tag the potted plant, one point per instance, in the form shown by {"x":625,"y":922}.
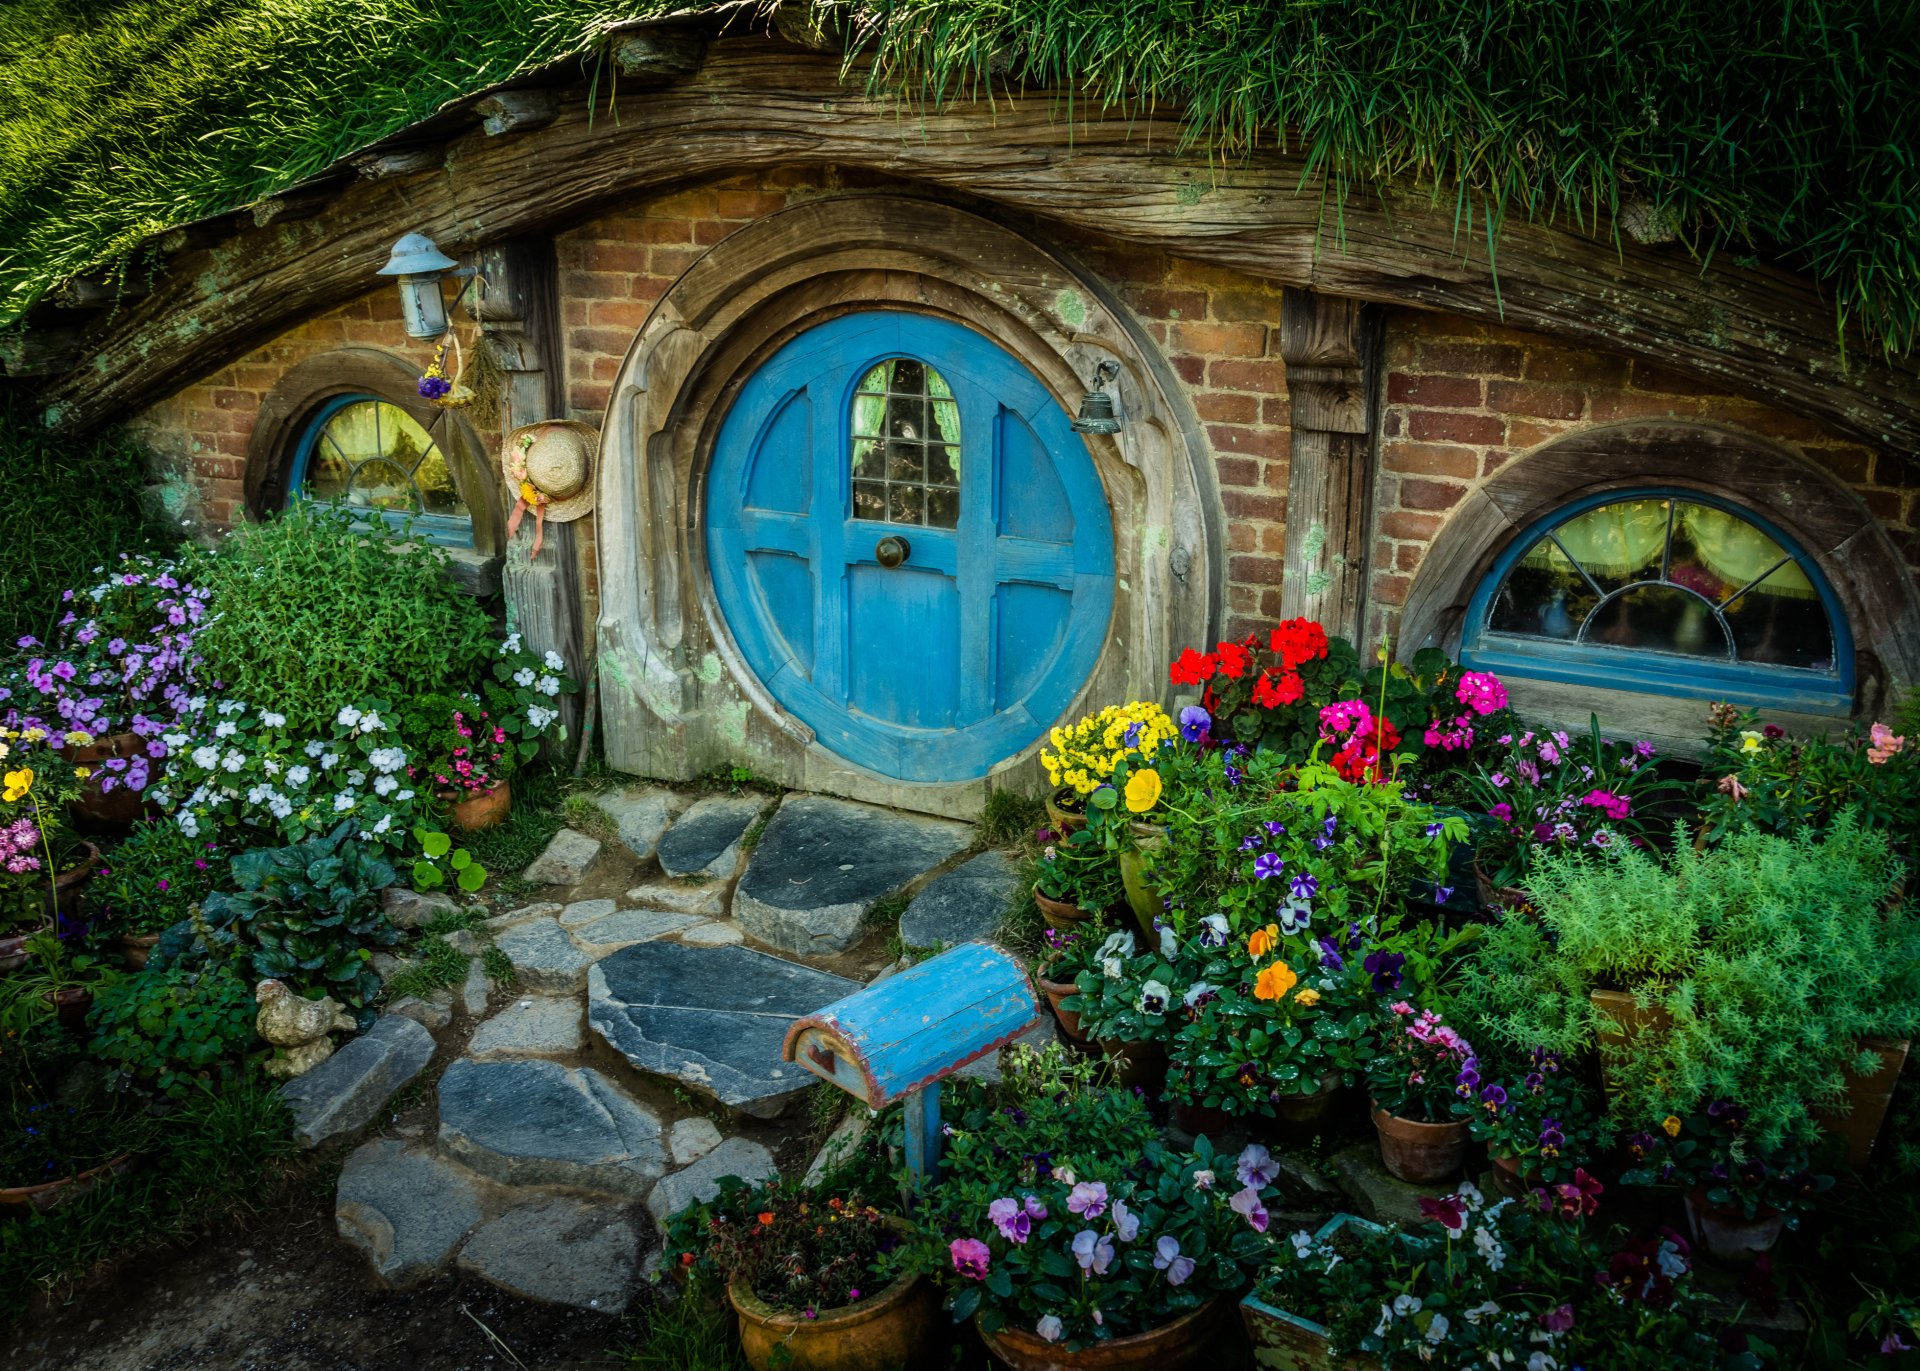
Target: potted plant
{"x":459,"y":750}
{"x":1538,"y":1120}
{"x":1422,"y":1063}
{"x":53,"y":1152}
{"x":1075,"y":879}
{"x":1082,"y":757}
{"x":58,"y":981}
{"x":810,"y":1276}
{"x":1075,"y":1238}
{"x":44,"y":865}
{"x":1122,"y":998}
{"x":170,"y":1032}
{"x":151,"y":881}
{"x":1066,"y":952}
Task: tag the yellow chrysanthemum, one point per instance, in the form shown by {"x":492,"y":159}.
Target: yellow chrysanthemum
{"x":1262,"y":941}
{"x":82,"y":772}
{"x":1274,"y":982}
{"x":79,"y":738}
{"x":1143,"y":790}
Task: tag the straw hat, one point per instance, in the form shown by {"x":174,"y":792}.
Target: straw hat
{"x":549,"y":467}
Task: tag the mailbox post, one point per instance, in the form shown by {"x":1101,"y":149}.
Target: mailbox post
{"x":897,"y":1040}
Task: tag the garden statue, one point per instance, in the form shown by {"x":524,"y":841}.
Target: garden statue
{"x":297,"y":1028}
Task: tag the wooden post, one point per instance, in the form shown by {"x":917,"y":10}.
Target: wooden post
{"x":521,"y":313}
{"x":1330,"y":346}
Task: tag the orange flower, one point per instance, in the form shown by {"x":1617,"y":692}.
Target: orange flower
{"x":766,"y":1218}
{"x":1262,"y":941}
{"x":1308,"y":997}
{"x":1274,"y":982}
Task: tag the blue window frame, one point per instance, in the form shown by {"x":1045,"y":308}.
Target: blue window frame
{"x":373,"y":457}
{"x":1668,"y":591}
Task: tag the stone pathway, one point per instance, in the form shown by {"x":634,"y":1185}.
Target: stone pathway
{"x":618,"y":1081}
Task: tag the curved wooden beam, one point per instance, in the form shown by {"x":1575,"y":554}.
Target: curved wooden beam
{"x":756,"y":104}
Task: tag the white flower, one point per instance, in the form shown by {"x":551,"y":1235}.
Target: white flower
{"x":523,"y":677}
{"x":385,"y":785}
{"x":1153,"y":998}
{"x":1113,"y":968}
{"x":511,"y":645}
{"x":188,"y":824}
{"x":207,"y":757}
{"x":330,"y":761}
{"x":549,"y":686}
{"x":280,"y":806}
{"x":386,"y":822}
{"x":347,"y":717}
{"x":1194,"y":992}
{"x":233,"y":761}
{"x":297,"y":775}
{"x":403,"y":795}
{"x":370,"y":722}
{"x":1469,"y":1195}
{"x":1489,"y":1247}
{"x":356,"y":777}
{"x":272,"y":766}
{"x":1403,"y":1305}
{"x":1049,"y":1328}
{"x":258,"y":793}
{"x":1482,"y":1311}
{"x":386,"y":759}
{"x":273,"y":720}
{"x":343,"y":802}
{"x":1540,"y":1361}
{"x":1203,"y":1179}
{"x":539,"y":717}
{"x":1437,"y":1329}
{"x":315,"y":748}
{"x":232,"y":706}
{"x":555,"y":662}
{"x":1382,"y":1328}
{"x":175,"y":741}
{"x":1302,"y":1243}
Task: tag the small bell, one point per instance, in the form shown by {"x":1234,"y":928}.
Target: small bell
{"x":1097,"y":413}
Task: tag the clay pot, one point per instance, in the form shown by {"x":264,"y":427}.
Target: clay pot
{"x":1420,"y":1153}
{"x":1056,"y":991}
{"x":1296,"y":1118}
{"x":13,"y":947}
{"x":20,"y":1199}
{"x":117,"y":808}
{"x":1728,"y":1236}
{"x":881,"y":1332}
{"x":1498,"y":896}
{"x":1058,"y":913}
{"x":1063,"y":821}
{"x":1138,"y":1066}
{"x":1629,"y":1022}
{"x":135,"y":948}
{"x":70,"y":1006}
{"x":486,"y":809}
{"x":70,"y":882}
{"x":1200,"y":1121}
{"x":1181,"y":1345}
{"x":1868,"y":1096}
{"x":1505,"y":1172}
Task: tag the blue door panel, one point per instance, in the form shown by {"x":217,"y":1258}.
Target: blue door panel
{"x":938,"y":668}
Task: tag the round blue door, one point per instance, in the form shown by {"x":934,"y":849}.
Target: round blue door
{"x":910,"y":544}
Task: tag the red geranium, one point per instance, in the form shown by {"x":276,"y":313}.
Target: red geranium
{"x":1234,"y":659}
{"x":1298,"y":641}
{"x":1192,"y":668}
{"x":1270,"y":691}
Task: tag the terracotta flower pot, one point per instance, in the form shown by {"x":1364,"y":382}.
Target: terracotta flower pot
{"x":1855,"y":1130}
{"x":1138,"y":1066}
{"x":1420,"y":1153}
{"x":1629,"y":1022}
{"x":481,"y":809}
{"x":70,"y":1006}
{"x":1498,"y":896}
{"x":13,"y":947}
{"x":886,"y":1330}
{"x":52,"y":1194}
{"x":1728,"y":1236}
{"x":1058,"y":913}
{"x":73,"y":879}
{"x":1505,"y":1171}
{"x":1063,"y":821}
{"x":1056,"y":991}
{"x":1181,"y":1345}
{"x":135,"y":948}
{"x":1296,"y":1118}
{"x":1199,"y":1120}
{"x":116,"y":808}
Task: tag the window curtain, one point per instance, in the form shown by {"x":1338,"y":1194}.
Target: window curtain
{"x":1736,"y":552}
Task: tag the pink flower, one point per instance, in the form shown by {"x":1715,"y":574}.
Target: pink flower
{"x":1088,"y":1199}
{"x":1502,"y":811}
{"x":970,"y":1257}
{"x":1246,"y":1203}
{"x":1616,"y":806}
{"x":1481,"y":692}
{"x":1730,"y":785}
{"x":1885,"y":743}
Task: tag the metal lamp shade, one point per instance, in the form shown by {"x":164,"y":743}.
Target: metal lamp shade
{"x":420,"y":264}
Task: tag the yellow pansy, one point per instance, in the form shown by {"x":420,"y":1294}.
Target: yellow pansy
{"x":1262,"y":941}
{"x":1672,"y":1125}
{"x":1274,"y":982}
{"x":1308,"y":997}
{"x":18,"y":784}
{"x":1143,"y":791}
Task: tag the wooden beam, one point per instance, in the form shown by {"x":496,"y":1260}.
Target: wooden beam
{"x":1330,"y":353}
{"x":757,"y":105}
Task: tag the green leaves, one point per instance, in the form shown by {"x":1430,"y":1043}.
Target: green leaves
{"x":441,"y":857}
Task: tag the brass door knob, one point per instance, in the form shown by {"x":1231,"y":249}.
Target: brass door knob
{"x":891,"y":551}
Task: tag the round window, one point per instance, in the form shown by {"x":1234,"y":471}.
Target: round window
{"x":371,"y":455}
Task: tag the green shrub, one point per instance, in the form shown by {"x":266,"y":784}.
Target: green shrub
{"x":173,"y":1029}
{"x":313,"y":611}
{"x":150,"y":881}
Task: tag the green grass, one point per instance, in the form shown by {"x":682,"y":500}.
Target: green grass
{"x":687,"y":1335}
{"x":498,"y":968}
{"x":1776,"y":130}
{"x":436,"y":967}
{"x":538,"y":813}
{"x":1008,"y":818}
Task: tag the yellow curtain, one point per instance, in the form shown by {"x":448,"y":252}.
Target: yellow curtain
{"x":1613,"y":541}
{"x":1736,"y":552}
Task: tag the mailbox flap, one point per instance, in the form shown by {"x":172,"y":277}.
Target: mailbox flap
{"x":918,"y":1025}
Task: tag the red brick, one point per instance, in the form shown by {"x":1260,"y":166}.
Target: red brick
{"x":1157,"y":302}
{"x":1851,"y":464}
{"x":1277,"y":410}
{"x":1226,"y":407}
{"x":1401,"y":524}
{"x":1470,"y":359}
{"x":747,"y":204}
{"x":1621,"y":404}
{"x":227,"y":398}
{"x":1586,"y":368}
{"x":1240,"y":504}
{"x":615,"y":257}
{"x":1192,"y":370}
{"x":1430,"y":459}
{"x":1523,"y":434}
{"x":1888,"y":506}
{"x":587,"y":400}
{"x":1243,"y":537}
{"x":671,"y":261}
{"x":1245,"y":306}
{"x":1541,"y":402}
{"x":1495,"y":458}
{"x":1778,"y":424}
{"x":1264,"y":442}
{"x":1157,"y":330}
{"x":1447,"y":426}
{"x":1255,"y":570}
{"x":1270,"y":377}
{"x":599,"y":339}
{"x":707,"y":232}
{"x":664,"y":231}
{"x":1391,"y":590}
{"x":573,"y":311}
{"x":1407,"y":556}
{"x":218,"y":468}
{"x":1418,"y":494}
{"x":619,"y":313}
{"x":1237,"y":471}
{"x":1453,"y":392}
{"x":1221,"y":340}
{"x":1273,"y":538}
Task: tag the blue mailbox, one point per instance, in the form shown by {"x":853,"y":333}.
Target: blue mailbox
{"x":898,"y":1039}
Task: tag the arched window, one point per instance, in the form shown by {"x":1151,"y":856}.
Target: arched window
{"x":906,"y":446}
{"x":1669,"y":591}
{"x":373,"y":456}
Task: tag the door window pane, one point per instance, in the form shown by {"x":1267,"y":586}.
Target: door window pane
{"x":905,"y":446}
{"x":376,"y":457}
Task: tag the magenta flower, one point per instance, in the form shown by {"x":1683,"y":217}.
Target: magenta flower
{"x":1449,"y":1213}
{"x":1246,"y":1203}
{"x":1007,"y":1216}
{"x":1088,"y":1199}
{"x":970,"y":1257}
{"x":1035,"y":1209}
{"x":1557,"y":1320}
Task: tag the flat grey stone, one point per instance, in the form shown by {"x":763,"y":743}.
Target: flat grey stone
{"x":540,"y":909}
{"x":629,"y":926}
{"x":411,"y":909}
{"x":1375,"y":1194}
{"x":345,"y":1091}
{"x":987,"y":1068}
{"x":840,"y":1145}
{"x":533,"y":1122}
{"x":544,"y":957}
{"x":711,"y":1017}
{"x":561,"y":1250}
{"x":531,"y":1026}
{"x":701,"y":1181}
{"x":567,"y":860}
{"x":473,"y":991}
{"x":705,"y":841}
{"x":386,"y":965}
{"x":714,"y":933}
{"x":692,"y":1139}
{"x":966,"y":905}
{"x":640,"y":816}
{"x":705,"y":898}
{"x":464,"y":941}
{"x":821,"y":863}
{"x":586,"y":911}
{"x":405,"y":1208}
{"x":434,"y":1013}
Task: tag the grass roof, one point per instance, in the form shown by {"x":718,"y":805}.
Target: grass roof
{"x":1781,"y":129}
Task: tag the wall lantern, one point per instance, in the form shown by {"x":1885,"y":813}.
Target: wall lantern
{"x":1097,"y":412}
{"x":420,"y":265}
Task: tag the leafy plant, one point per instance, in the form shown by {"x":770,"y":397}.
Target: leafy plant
{"x":1421,"y":1066}
{"x":1076,"y":869}
{"x":438,"y":967}
{"x":153,"y":878}
{"x":1534,"y":1110}
{"x":310,"y":913}
{"x":437,"y":848}
{"x":46,"y":1139}
{"x":1712,"y":1150}
{"x":170,"y":1031}
{"x":53,"y":965}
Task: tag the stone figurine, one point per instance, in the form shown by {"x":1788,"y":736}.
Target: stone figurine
{"x":297,"y":1028}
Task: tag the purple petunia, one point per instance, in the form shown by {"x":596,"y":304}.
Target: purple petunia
{"x":1267,"y":865}
{"x":1305,"y":887}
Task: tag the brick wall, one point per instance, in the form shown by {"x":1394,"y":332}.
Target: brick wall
{"x":1463,"y":399}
